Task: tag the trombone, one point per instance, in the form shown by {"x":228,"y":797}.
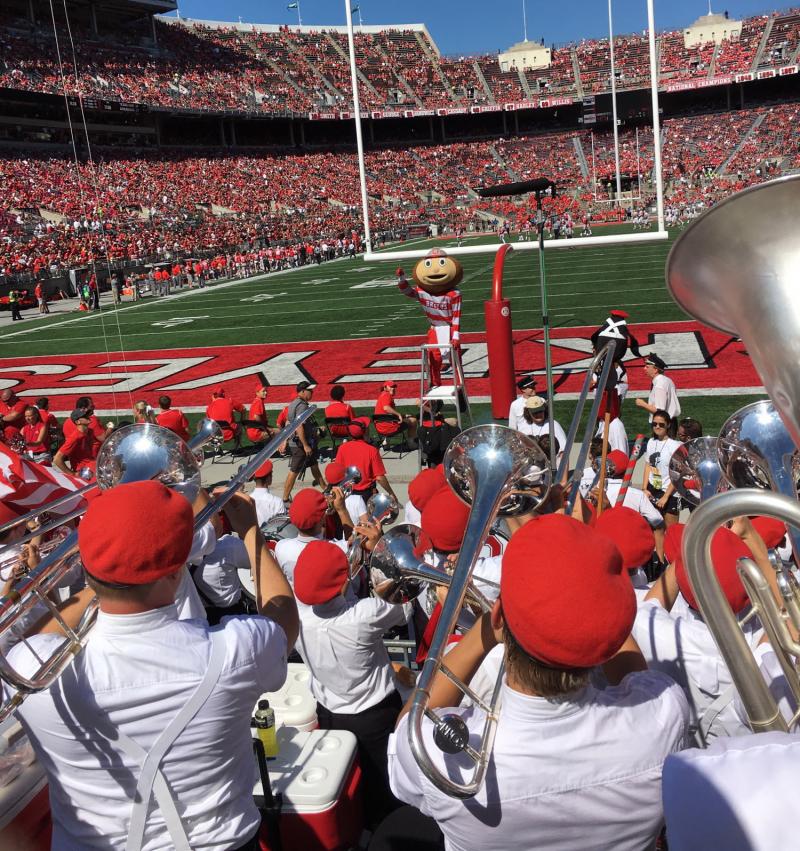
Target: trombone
{"x":496,"y":470}
{"x":132,"y":453}
{"x":381,"y":508}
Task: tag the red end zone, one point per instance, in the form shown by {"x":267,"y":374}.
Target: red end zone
{"x":699,"y":358}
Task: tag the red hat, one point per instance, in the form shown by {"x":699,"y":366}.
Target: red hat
{"x":390,"y":384}
{"x":307,"y":508}
{"x":620,"y":461}
{"x":356,"y":429}
{"x":218,"y":391}
{"x":264,"y":470}
{"x":424,"y":485}
{"x":436,"y":252}
{"x":630,"y":533}
{"x":320,"y":572}
{"x":259,"y":388}
{"x":673,"y":540}
{"x":726,"y":549}
{"x":7,"y":513}
{"x":772,"y":531}
{"x":565,"y":596}
{"x":444,"y":519}
{"x":334,"y":473}
{"x":623,"y":314}
{"x":136,"y":533}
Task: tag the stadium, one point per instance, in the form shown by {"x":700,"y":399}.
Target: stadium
{"x":216,"y":244}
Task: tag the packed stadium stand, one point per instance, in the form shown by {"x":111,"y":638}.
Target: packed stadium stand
{"x":206,"y":137}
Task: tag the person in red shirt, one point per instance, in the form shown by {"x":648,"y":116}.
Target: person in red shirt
{"x":53,"y":426}
{"x":100,"y":431}
{"x":338,"y":408}
{"x":172,"y":418}
{"x":223,"y":409}
{"x":356,"y":452}
{"x":39,"y":293}
{"x":36,"y":436}
{"x":258,"y":414}
{"x":80,"y":447}
{"x":385,"y":405}
{"x":12,"y":411}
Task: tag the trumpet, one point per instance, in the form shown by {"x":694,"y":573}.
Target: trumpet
{"x":352,"y":476}
{"x":12,"y":560}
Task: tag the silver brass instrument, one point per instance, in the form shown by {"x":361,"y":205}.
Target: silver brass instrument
{"x":747,"y":286}
{"x":495,"y":469}
{"x":352,"y":476}
{"x":381,"y":508}
{"x":398,"y":570}
{"x":695,"y":470}
{"x":11,"y":556}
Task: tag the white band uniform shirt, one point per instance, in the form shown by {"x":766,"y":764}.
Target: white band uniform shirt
{"x":617,"y":437}
{"x":341,"y":641}
{"x":683,"y":647}
{"x":516,"y":412}
{"x":217,"y":575}
{"x":267,"y":504}
{"x":664,"y":396}
{"x":563,"y":775}
{"x":536,"y":430}
{"x":411,"y":514}
{"x":138,"y":671}
{"x":740,"y":794}
{"x":356,"y":507}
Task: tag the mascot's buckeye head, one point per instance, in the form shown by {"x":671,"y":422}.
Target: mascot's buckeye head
{"x":437,"y":273}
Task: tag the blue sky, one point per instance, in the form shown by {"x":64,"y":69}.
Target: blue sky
{"x":479,"y":26}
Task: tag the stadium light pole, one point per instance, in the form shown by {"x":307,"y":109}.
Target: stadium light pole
{"x":651,"y":38}
{"x":524,"y":20}
{"x":614,"y":101}
{"x":362,"y":172}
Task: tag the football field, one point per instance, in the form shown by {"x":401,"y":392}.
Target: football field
{"x":345,"y":321}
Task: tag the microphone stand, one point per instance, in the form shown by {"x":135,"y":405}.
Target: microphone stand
{"x":548,"y":361}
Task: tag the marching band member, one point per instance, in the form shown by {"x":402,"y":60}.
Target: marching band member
{"x":268,"y":504}
{"x":420,"y":489}
{"x":307,"y":512}
{"x":663,"y":396}
{"x":527,"y":388}
{"x":354,"y":503}
{"x":352,"y":679}
{"x":635,"y":498}
{"x":356,"y":452}
{"x":216,"y":578}
{"x":633,"y":537}
{"x":172,"y":418}
{"x":145,"y":737}
{"x":682,"y":645}
{"x":569,"y":762}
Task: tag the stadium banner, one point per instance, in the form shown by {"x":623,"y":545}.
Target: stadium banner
{"x":452,"y":110}
{"x":767,"y":74}
{"x":789,"y":69}
{"x":704,"y":83}
{"x":700,"y":360}
{"x":418,"y":113}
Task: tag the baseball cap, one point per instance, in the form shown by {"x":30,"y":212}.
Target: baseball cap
{"x":536,"y":403}
{"x":79,"y":414}
{"x":304,"y":385}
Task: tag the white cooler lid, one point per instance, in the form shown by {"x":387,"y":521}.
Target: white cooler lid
{"x":293,"y":703}
{"x":311,"y":768}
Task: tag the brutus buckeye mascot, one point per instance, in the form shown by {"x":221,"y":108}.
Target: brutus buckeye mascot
{"x":437,"y":277}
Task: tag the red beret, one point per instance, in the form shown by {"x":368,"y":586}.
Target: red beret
{"x":264,"y":470}
{"x":307,"y":508}
{"x":566,"y":598}
{"x":673,"y":540}
{"x":726,"y":549}
{"x":218,"y":391}
{"x":772,"y":531}
{"x":136,"y":533}
{"x":320,"y":572}
{"x":621,"y":313}
{"x":444,"y":519}
{"x":620,"y":461}
{"x":7,"y":513}
{"x":356,"y":429}
{"x":334,"y":473}
{"x":424,"y":485}
{"x":630,"y":533}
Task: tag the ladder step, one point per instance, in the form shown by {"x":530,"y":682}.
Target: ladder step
{"x":441,"y":392}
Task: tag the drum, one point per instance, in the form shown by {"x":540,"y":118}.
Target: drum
{"x":276,"y":529}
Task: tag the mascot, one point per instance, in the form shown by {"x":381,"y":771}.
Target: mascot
{"x":437,"y":277}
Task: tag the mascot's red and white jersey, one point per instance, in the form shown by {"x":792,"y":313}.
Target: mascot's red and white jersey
{"x":442,"y":309}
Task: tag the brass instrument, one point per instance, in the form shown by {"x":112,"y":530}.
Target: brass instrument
{"x":352,"y":477}
{"x":496,"y":470}
{"x":746,"y":286}
{"x":381,"y":509}
{"x":695,"y":470}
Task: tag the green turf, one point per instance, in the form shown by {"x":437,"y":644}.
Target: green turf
{"x":327,"y":302}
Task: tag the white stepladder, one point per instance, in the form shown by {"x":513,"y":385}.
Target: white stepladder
{"x":454,"y":394}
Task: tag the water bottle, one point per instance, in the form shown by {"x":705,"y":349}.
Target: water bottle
{"x":264,"y":718}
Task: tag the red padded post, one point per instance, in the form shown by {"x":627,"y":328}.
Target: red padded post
{"x":497,"y":312}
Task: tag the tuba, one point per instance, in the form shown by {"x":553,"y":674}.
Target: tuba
{"x":735,"y":268}
{"x":695,"y":470}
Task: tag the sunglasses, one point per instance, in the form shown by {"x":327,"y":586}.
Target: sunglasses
{"x":659,"y":425}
